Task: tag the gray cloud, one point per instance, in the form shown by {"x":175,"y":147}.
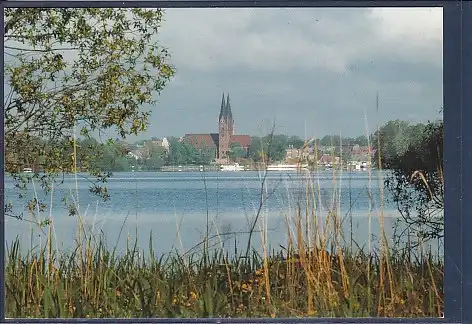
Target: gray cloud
{"x":315,"y":67}
{"x":327,"y":102}
{"x":319,"y":67}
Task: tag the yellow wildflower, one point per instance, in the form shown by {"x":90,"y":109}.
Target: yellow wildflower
{"x":356,"y":306}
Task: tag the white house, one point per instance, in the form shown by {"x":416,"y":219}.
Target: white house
{"x":165,"y":143}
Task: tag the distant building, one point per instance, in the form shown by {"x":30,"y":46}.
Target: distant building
{"x":327,"y":159}
{"x":160,"y":142}
{"x":225,"y":137}
{"x":165,"y":143}
{"x":292,"y":153}
{"x":345,"y":148}
{"x":362,"y":153}
{"x":134,"y":156}
{"x":156,"y":141}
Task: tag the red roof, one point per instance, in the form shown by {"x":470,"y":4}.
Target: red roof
{"x":326,"y":158}
{"x":201,"y":141}
{"x":361,"y":150}
{"x":243,"y":140}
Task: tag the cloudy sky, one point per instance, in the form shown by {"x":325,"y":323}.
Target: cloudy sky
{"x":311,"y":71}
{"x":317,"y":67}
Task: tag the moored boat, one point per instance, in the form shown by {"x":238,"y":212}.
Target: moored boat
{"x":232,"y":167}
{"x":286,"y":167}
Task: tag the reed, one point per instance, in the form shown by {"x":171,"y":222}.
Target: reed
{"x":315,"y":282}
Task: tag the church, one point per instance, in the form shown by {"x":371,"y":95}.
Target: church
{"x":225,"y":137}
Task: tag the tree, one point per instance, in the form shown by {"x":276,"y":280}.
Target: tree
{"x":277,"y":145}
{"x":182,"y":153}
{"x":157,"y":157}
{"x":393,"y":141}
{"x":269,"y":148}
{"x":113,"y":158}
{"x":191,"y":154}
{"x":176,"y":154}
{"x":258,"y":146}
{"x":295,"y":141}
{"x":414,"y":155}
{"x":205,"y":155}
{"x":88,"y":69}
{"x":330,"y":140}
{"x":90,"y":154}
{"x":237,"y":152}
{"x":361,"y":140}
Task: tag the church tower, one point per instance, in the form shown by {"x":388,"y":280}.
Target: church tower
{"x":230,"y":116}
{"x":226,"y":128}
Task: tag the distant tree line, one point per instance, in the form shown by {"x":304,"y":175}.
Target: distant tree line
{"x":112,"y":156}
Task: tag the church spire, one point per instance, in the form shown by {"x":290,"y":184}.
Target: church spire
{"x":229,"y":113}
{"x":223,"y":107}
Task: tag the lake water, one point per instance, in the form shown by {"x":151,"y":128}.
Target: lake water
{"x":175,"y":207}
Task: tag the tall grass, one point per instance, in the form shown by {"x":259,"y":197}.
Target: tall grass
{"x":315,"y":274}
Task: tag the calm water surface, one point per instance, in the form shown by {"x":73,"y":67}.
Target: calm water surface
{"x":175,"y":207}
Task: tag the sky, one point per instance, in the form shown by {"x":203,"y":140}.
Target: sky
{"x":309,"y":71}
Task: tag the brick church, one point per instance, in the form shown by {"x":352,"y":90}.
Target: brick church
{"x":222,"y":140}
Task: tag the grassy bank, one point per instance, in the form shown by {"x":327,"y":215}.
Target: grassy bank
{"x":315,"y":275}
{"x":94,"y":282}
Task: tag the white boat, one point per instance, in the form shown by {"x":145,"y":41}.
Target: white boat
{"x":27,"y":170}
{"x":286,"y":167}
{"x":232,"y":167}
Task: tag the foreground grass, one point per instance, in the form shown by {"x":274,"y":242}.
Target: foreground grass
{"x":94,"y":282}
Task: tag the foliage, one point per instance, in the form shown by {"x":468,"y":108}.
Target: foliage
{"x":414,"y":154}
{"x":237,"y":152}
{"x":337,"y":140}
{"x":295,"y":142}
{"x":182,"y":153}
{"x":330,"y":140}
{"x":157,"y":157}
{"x":271,"y":147}
{"x":113,"y":158}
{"x":66,"y":68}
{"x":361,"y":140}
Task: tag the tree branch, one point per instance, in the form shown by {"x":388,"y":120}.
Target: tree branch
{"x":41,"y":50}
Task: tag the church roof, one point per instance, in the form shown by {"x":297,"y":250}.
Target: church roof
{"x":243,"y":140}
{"x":225,"y":110}
{"x":228,"y":107}
{"x":223,"y":107}
{"x":201,"y":141}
